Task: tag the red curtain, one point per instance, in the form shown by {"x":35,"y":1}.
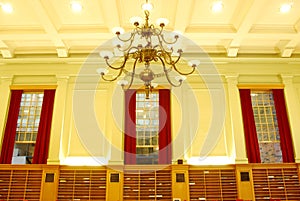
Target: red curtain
{"x":252,"y":146}
{"x":130,"y":128}
{"x":165,"y":147}
{"x":11,"y":127}
{"x":43,"y":136}
{"x":284,"y":127}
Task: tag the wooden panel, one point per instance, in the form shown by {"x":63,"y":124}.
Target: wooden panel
{"x":147,"y":185}
{"x":277,"y":183}
{"x":212,"y":184}
{"x":87,"y":184}
{"x":17,"y":184}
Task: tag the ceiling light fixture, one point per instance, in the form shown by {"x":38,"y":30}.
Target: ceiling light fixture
{"x":146,"y":45}
{"x":76,"y":6}
{"x":285,"y":8}
{"x":6,"y":7}
{"x":217,"y":6}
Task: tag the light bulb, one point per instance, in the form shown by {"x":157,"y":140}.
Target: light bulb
{"x":106,"y":54}
{"x":102,"y":71}
{"x":285,"y":8}
{"x":118,"y":30}
{"x":76,"y":6}
{"x":147,"y":6}
{"x":7,"y":8}
{"x":194,"y":63}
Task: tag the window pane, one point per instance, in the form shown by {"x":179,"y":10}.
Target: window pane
{"x":266,"y":126}
{"x":147,"y":128}
{"x":27,"y":126}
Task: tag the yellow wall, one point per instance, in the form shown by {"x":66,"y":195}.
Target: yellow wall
{"x":206,"y":115}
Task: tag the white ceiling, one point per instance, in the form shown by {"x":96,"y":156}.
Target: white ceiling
{"x":50,"y":27}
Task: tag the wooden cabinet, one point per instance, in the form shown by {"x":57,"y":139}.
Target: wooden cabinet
{"x":147,"y":185}
{"x":277,"y":183}
{"x":20,"y":184}
{"x":87,"y":184}
{"x":212,"y":184}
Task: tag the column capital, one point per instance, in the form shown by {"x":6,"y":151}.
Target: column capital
{"x":62,"y":77}
{"x":7,"y":78}
{"x":232,"y":78}
{"x":287,"y":78}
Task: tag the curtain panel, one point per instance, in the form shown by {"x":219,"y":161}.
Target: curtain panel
{"x":252,"y":145}
{"x":43,"y":136}
{"x":130,"y":127}
{"x":11,"y":127}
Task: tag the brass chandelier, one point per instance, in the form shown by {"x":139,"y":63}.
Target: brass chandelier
{"x":146,"y":44}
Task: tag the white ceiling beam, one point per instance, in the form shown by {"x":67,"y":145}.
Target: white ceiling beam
{"x":111,"y":11}
{"x":245,"y":26}
{"x":6,"y":52}
{"x":49,"y":27}
{"x":290,"y":47}
{"x":184,"y":13}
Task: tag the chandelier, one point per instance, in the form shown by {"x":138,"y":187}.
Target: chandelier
{"x":146,"y":45}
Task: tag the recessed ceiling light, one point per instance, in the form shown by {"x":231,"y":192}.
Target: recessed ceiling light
{"x":217,"y":6}
{"x":285,"y":8}
{"x":76,"y":6}
{"x":7,"y":8}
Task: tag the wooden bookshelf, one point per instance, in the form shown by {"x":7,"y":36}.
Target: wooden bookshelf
{"x":276,"y":182}
{"x":147,"y":185}
{"x":20,"y":184}
{"x":212,"y":184}
{"x":85,"y":184}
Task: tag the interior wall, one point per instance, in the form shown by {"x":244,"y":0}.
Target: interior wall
{"x":206,"y":117}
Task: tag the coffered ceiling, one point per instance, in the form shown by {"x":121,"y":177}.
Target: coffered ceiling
{"x":243,"y":27}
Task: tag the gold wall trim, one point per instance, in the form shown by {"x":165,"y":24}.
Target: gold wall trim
{"x":32,"y":87}
{"x":260,"y":86}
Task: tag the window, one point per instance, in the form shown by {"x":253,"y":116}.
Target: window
{"x":147,"y":128}
{"x":266,"y":126}
{"x":27,"y":126}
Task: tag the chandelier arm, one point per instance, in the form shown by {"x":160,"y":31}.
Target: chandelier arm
{"x":129,"y":45}
{"x":178,"y":58}
{"x":170,"y":43}
{"x":126,"y":40}
{"x":113,"y":79}
{"x":117,"y":68}
{"x":132,"y":75}
{"x":167,"y":75}
{"x":181,"y":73}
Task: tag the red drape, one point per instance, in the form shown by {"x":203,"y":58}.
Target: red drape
{"x":284,"y":127}
{"x":11,"y":127}
{"x":130,"y":127}
{"x":252,"y":146}
{"x":43,"y":136}
{"x":165,"y":148}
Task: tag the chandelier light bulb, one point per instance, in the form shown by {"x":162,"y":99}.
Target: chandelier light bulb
{"x":122,"y":82}
{"x":147,"y":6}
{"x":162,"y":22}
{"x":7,"y":8}
{"x":102,"y":71}
{"x":106,"y":54}
{"x":194,"y":63}
{"x":136,"y":20}
{"x":118,"y":30}
{"x":180,"y":78}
